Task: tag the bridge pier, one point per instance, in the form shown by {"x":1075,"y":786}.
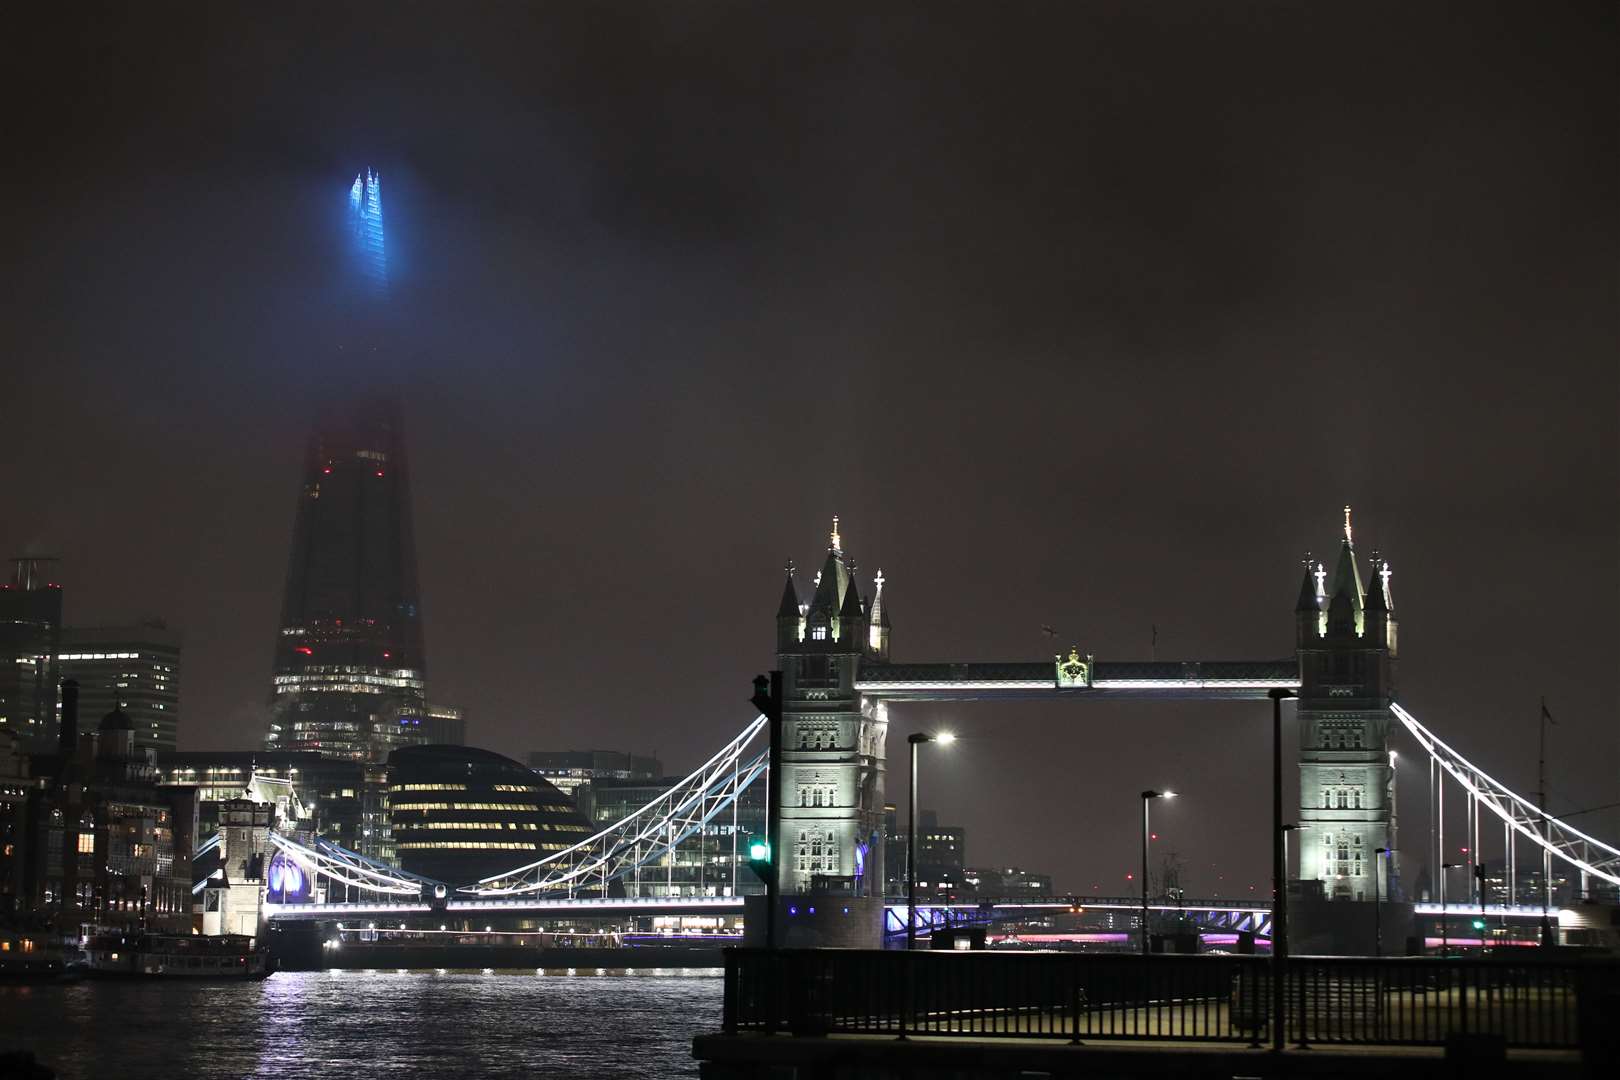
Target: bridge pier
{"x":817,"y":921}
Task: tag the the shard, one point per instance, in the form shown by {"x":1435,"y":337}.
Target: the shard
{"x":349,"y":676}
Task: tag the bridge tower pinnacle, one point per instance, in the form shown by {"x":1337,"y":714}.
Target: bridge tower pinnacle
{"x":1346,"y":642}
{"x":829,"y":836}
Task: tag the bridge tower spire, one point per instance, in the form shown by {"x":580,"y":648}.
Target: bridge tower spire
{"x":1346,"y":773}
{"x":789,"y":614}
{"x":877,"y":618}
{"x":828,"y":842}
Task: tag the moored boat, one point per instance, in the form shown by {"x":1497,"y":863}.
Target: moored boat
{"x":178,"y":956}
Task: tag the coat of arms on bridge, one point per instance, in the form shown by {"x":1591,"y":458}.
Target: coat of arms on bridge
{"x":1073,"y":671}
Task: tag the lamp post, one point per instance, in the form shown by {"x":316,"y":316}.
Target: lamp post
{"x":768,"y":700}
{"x":916,"y":739}
{"x":1445,"y":937}
{"x":1147,"y":799}
{"x":1379,"y":863}
{"x":1286,"y":829}
{"x":1279,"y":871}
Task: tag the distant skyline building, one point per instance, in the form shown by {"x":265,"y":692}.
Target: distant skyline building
{"x":1006,"y":881}
{"x":444,"y":726}
{"x":573,"y":772}
{"x":30,"y":638}
{"x":133,"y":668}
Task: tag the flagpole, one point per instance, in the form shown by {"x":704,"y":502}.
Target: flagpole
{"x":1546,"y":831}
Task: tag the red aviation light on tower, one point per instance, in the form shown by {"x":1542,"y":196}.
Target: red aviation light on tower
{"x":305,"y":649}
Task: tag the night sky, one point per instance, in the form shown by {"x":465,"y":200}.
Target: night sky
{"x":1088,"y":315}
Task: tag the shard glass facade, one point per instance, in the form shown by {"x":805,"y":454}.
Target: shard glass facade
{"x":366,"y":225}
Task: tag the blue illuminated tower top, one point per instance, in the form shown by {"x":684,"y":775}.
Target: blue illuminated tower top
{"x":366,"y":220}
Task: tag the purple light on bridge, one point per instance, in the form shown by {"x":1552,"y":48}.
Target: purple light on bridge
{"x":287,"y":881}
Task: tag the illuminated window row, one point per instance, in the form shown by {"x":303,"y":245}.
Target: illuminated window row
{"x":99,"y":656}
{"x":474,"y":845}
{"x":358,"y":669}
{"x":529,"y":826}
{"x":427,"y":787}
{"x":469,"y":806}
{"x":350,"y":682}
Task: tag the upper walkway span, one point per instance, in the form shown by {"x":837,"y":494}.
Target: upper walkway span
{"x":1077,"y":677}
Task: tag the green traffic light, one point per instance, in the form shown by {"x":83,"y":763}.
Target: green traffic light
{"x":759,"y":851}
{"x":1479,"y":924}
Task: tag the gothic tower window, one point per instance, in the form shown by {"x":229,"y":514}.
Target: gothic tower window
{"x":816,"y":852}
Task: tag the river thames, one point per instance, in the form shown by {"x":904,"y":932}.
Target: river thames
{"x":405,"y":1025}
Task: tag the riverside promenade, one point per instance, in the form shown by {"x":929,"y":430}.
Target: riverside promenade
{"x":873,"y":1014}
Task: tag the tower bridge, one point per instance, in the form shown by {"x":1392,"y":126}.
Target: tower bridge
{"x":838,"y":681}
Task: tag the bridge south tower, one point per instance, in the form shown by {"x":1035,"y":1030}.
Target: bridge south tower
{"x":1347,"y":649}
{"x":829,"y":837}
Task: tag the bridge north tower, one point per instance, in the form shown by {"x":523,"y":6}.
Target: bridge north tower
{"x":829,"y":836}
{"x":1347,"y":650}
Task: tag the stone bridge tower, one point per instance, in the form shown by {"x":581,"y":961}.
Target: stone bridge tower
{"x":1347,"y":647}
{"x":829,"y":838}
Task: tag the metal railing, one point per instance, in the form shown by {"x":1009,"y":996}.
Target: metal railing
{"x":1075,"y":996}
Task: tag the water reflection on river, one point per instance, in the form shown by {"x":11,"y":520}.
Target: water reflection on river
{"x":398,"y":1024}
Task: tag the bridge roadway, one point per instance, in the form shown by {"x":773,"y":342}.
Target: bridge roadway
{"x":1227,"y":910}
{"x":710,"y":905}
{"x":718,"y":905}
{"x":677,"y":905}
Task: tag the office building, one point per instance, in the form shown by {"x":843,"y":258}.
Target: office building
{"x":133,"y":668}
{"x":30,"y":638}
{"x":347,"y":801}
{"x":940,"y":857}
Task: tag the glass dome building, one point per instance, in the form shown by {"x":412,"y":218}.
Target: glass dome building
{"x":459,"y":814}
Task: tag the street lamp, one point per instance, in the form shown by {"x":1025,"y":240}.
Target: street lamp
{"x":1379,"y":863}
{"x":1445,"y":937}
{"x":916,"y":739}
{"x":1147,"y":798}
